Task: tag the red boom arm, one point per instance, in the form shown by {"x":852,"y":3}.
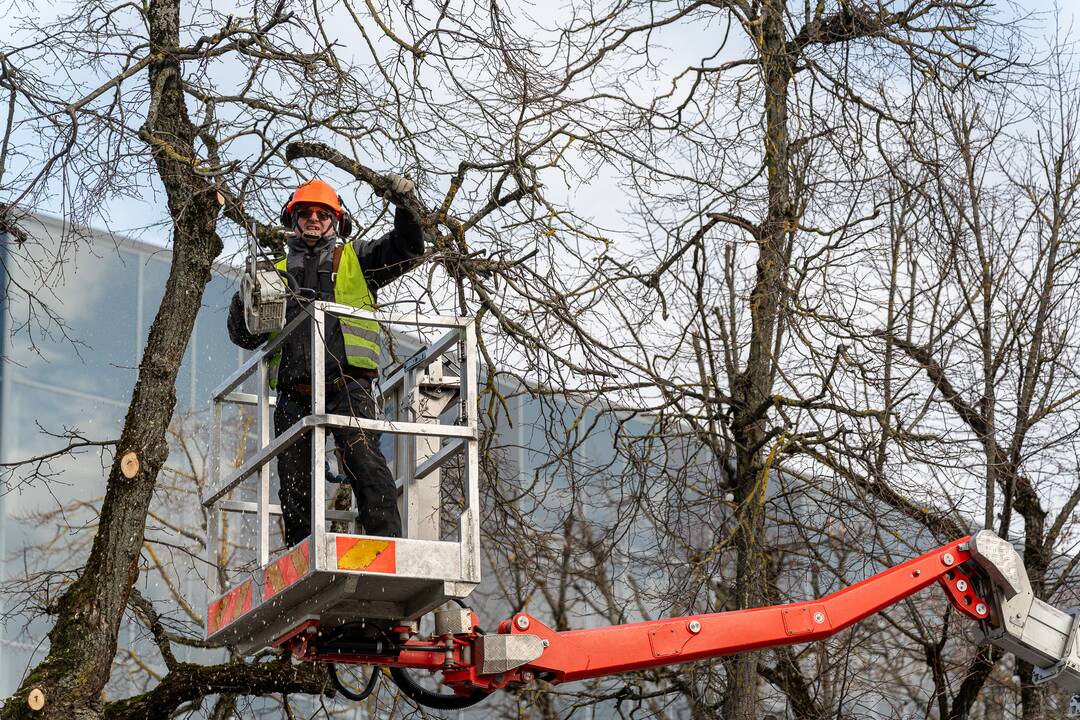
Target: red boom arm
{"x":581,"y":654}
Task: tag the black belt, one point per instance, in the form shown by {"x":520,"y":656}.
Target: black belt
{"x":337,"y":383}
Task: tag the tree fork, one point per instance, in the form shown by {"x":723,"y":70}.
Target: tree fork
{"x":190,"y":682}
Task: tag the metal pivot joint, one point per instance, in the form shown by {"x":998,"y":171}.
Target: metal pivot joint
{"x":1022,"y":624}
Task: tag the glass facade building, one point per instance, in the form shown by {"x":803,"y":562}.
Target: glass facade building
{"x":74,"y":317}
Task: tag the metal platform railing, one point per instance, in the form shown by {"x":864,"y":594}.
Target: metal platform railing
{"x":418,"y":571}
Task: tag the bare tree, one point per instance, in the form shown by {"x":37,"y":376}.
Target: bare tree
{"x":836,"y":269}
{"x":757,"y":175}
{"x":219,"y":111}
{"x":992,"y":330}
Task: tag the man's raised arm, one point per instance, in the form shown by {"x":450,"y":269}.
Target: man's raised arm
{"x":398,"y":251}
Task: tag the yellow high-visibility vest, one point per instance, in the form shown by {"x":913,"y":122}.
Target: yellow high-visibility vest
{"x":362,"y":337}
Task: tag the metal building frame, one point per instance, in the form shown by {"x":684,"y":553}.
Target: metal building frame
{"x":342,"y":577}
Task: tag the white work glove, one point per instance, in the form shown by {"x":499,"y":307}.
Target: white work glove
{"x":401,"y":185}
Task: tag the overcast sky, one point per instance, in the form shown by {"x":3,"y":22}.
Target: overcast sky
{"x":600,"y":199}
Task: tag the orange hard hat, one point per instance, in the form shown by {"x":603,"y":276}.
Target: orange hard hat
{"x":315,"y":191}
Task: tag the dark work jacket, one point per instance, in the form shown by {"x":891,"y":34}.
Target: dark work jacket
{"x":382,"y":261}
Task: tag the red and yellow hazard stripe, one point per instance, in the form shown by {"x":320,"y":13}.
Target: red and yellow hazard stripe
{"x":286,"y":570}
{"x":355,"y":553}
{"x":229,"y":607}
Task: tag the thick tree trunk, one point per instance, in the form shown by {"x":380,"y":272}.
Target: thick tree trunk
{"x":753,"y":386}
{"x":83,"y":640}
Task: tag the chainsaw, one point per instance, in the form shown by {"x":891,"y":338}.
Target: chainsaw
{"x":263,"y":290}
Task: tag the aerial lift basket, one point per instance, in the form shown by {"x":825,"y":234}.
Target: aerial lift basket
{"x":340,"y":577}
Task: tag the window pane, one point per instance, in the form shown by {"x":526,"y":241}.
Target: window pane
{"x":93,"y":350}
{"x":216,"y":357}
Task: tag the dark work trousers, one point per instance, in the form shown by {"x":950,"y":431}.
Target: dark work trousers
{"x":365,"y":467}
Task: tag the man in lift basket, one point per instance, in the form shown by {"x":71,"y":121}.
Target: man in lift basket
{"x":319,"y":266}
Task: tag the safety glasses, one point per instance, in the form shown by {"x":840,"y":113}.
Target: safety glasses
{"x":317,"y":213}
